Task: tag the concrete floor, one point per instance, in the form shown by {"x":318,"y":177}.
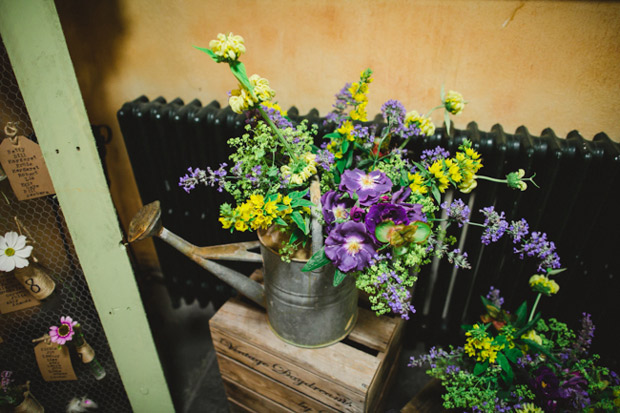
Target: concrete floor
{"x":184,"y":343}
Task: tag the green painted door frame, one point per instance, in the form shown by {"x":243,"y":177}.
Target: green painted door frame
{"x":36,"y":46}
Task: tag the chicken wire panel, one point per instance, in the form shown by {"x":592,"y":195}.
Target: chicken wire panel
{"x":42,"y":222}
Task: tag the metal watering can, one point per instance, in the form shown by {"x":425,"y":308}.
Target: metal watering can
{"x":303,"y":308}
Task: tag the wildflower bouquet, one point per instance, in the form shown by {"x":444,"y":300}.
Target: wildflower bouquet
{"x":518,"y":361}
{"x":378,"y":204}
{"x":10,"y":393}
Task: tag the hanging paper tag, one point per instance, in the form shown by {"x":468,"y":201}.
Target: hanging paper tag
{"x":54,"y":363}
{"x":13,"y":296}
{"x":25,"y":167}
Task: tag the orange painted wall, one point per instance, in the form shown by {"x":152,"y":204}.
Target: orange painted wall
{"x":534,"y":63}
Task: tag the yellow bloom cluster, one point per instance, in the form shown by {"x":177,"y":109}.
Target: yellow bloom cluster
{"x":542,"y":284}
{"x":242,"y":99}
{"x":358,"y":92}
{"x":301,"y":171}
{"x":454,"y":102}
{"x":257,"y":213}
{"x":424,"y":123}
{"x":531,"y":335}
{"x":481,"y":346}
{"x":228,"y":47}
{"x":529,"y":408}
{"x":460,"y":171}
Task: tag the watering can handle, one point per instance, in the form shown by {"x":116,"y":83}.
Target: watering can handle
{"x":316,"y":227}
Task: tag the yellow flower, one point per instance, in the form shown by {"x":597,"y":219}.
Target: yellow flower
{"x":271,"y":208}
{"x":305,"y":171}
{"x":417,"y":183}
{"x":454,"y":102}
{"x":256,"y":201}
{"x":529,"y":408}
{"x":531,"y":335}
{"x":436,"y":169}
{"x":346,"y":130}
{"x":542,"y":284}
{"x":228,"y":47}
{"x":241,"y":226}
{"x":274,"y":106}
{"x":226,"y":223}
{"x":262,"y":91}
{"x":425,"y":124}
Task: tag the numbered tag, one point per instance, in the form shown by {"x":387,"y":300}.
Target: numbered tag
{"x":54,"y":362}
{"x":25,"y":167}
{"x":35,"y":280}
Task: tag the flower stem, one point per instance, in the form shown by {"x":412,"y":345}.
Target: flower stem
{"x":534,"y":307}
{"x":432,"y":110}
{"x":278,"y":133}
{"x":488,"y":178}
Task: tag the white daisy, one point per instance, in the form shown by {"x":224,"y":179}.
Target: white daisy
{"x":13,"y":251}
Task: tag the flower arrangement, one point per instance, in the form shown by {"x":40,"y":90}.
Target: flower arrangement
{"x":10,"y":393}
{"x":378,"y":203}
{"x":519,"y":361}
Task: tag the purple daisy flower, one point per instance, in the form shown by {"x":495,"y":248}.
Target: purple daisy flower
{"x":63,"y":333}
{"x":335,"y":208}
{"x":349,"y":247}
{"x":368,"y":186}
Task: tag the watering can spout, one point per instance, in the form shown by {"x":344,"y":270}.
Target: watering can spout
{"x":147,"y":223}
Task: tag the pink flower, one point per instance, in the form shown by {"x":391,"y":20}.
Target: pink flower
{"x":64,"y":332}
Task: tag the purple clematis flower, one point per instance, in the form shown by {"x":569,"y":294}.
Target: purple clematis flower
{"x":368,"y":186}
{"x":349,"y":247}
{"x":335,"y":208}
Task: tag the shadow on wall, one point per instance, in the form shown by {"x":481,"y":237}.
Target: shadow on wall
{"x":93,"y":31}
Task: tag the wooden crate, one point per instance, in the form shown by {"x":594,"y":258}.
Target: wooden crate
{"x":261,"y":373}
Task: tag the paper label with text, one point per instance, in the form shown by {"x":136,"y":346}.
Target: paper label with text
{"x":25,"y":167}
{"x":13,"y":296}
{"x":54,"y":362}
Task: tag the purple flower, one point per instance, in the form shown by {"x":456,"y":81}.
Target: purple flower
{"x":335,"y":208}
{"x":349,"y":247}
{"x":356,"y":213}
{"x":457,"y":210}
{"x":401,"y":195}
{"x":518,"y":230}
{"x":385,"y":212}
{"x":495,"y":223}
{"x":538,"y":246}
{"x":367,"y":186}
{"x":494,"y":297}
{"x":429,"y":156}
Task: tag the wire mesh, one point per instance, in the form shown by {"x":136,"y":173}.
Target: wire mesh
{"x":42,"y":221}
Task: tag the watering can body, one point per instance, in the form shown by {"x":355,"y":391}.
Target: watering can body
{"x":303,"y":308}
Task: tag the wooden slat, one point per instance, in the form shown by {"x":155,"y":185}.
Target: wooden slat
{"x":313,"y":385}
{"x":285,"y":396}
{"x":248,"y":325}
{"x":373,"y":331}
{"x":251,"y":400}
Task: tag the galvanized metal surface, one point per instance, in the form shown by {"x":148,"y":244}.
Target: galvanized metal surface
{"x":303,"y":308}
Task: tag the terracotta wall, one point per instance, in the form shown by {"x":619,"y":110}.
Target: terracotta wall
{"x":534,"y":63}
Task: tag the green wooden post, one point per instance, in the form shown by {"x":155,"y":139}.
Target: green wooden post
{"x":33,"y":37}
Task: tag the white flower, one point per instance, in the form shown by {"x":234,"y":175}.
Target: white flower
{"x":13,"y":251}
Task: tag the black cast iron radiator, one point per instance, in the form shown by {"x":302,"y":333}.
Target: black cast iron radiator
{"x":576,"y":206}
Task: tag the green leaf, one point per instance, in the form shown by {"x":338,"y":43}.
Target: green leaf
{"x":345,"y":145}
{"x":382,"y":231}
{"x":336,"y":135}
{"x":505,"y":365}
{"x":339,"y":276}
{"x":480,"y":368}
{"x":209,"y":52}
{"x":404,"y":178}
{"x":422,"y":233}
{"x":447,"y":121}
{"x":521,"y":314}
{"x":514,"y":354}
{"x":349,"y":159}
{"x":300,"y":202}
{"x":281,"y":222}
{"x":341,"y":164}
{"x":436,"y":193}
{"x":539,"y":348}
{"x":300,"y":221}
{"x":318,"y":260}
{"x":238,"y":69}
{"x":297,"y":194}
